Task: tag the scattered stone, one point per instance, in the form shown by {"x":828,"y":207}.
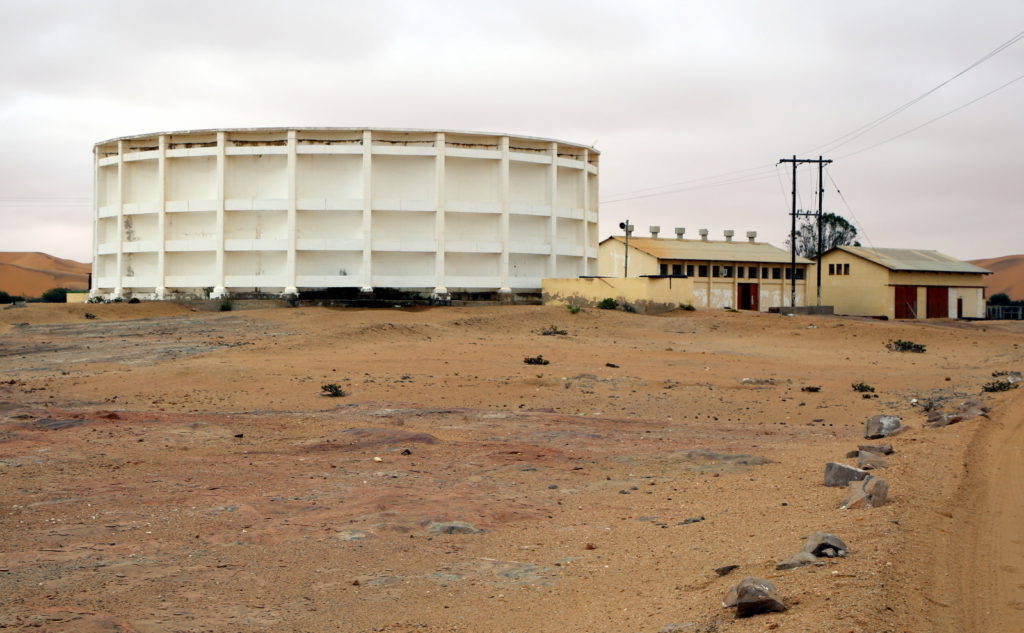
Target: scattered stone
{"x":871,"y":461}
{"x":811,"y":388}
{"x":878,"y":449}
{"x":552,"y":486}
{"x":378,"y":459}
{"x":89,"y":315}
{"x":852,"y":454}
{"x":351,"y":535}
{"x":759,"y":381}
{"x":970,"y":409}
{"x":239,"y":435}
{"x":691,"y":520}
{"x":453,"y":527}
{"x":753,"y":596}
{"x":825,"y":545}
{"x":797,"y":560}
{"x":869,"y":493}
{"x":883,"y":426}
{"x":406,"y":451}
{"x":726,"y":570}
{"x":838,"y":475}
{"x":612,"y":365}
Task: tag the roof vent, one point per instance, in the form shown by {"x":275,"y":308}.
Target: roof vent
{"x":655,"y":230}
{"x":629,"y":230}
{"x":703,"y":234}
{"x":680,"y":232}
{"x":728,"y":234}
{"x":751,"y":236}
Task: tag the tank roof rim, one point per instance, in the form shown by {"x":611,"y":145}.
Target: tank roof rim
{"x":342,"y":129}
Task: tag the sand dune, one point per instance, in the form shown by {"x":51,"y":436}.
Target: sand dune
{"x":32,"y":274}
{"x":1008,"y":275}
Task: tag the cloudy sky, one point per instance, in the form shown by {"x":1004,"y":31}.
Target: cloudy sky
{"x":691,"y":103}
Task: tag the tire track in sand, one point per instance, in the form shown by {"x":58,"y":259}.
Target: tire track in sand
{"x":985,"y":562}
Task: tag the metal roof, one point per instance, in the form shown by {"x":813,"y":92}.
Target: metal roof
{"x":909,"y":259}
{"x":716,"y":251}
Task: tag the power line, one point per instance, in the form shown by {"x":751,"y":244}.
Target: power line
{"x":849,"y":209}
{"x":834,"y":143}
{"x":688,"y":188}
{"x":867,"y":127}
{"x":938,"y":118}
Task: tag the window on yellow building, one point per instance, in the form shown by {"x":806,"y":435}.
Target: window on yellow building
{"x":846,"y":269}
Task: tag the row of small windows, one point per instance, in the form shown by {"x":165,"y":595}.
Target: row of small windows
{"x":730,"y":272}
{"x":839,"y":269}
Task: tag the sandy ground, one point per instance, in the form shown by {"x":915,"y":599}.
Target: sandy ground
{"x":167,"y":470}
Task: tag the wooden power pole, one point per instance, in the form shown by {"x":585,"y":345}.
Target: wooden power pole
{"x":794,"y":213}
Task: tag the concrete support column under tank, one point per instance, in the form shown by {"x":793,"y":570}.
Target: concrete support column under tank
{"x":552,"y":199}
{"x":440,"y":291}
{"x":119,"y":202}
{"x":503,"y":185}
{"x":585,"y":231}
{"x":161,"y":222}
{"x":94,"y":289}
{"x":292,"y":169}
{"x":367,"y":211}
{"x":218,"y":288}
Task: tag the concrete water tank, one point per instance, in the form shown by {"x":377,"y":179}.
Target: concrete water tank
{"x":283,"y":210}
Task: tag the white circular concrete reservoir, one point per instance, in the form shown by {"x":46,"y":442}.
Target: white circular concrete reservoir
{"x":287,"y":210}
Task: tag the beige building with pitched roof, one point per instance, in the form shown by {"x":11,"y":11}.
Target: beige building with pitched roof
{"x":746,"y":275}
{"x":899,"y":283}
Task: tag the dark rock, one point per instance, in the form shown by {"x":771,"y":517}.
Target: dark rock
{"x":753,"y":596}
{"x":825,"y":545}
{"x":871,"y":461}
{"x":852,"y":453}
{"x":406,"y":451}
{"x":877,"y":449}
{"x":691,"y":520}
{"x":726,"y":570}
{"x":612,"y":365}
{"x":883,"y":426}
{"x":838,"y":475}
{"x":870,"y":493}
{"x":798,"y":560}
{"x":239,"y":435}
{"x":453,"y":527}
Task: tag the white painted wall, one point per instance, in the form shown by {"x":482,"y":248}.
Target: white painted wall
{"x":286,"y":209}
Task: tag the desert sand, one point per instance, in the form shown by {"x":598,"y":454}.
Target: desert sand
{"x":32,"y":274}
{"x":170,"y":470}
{"x":1007,"y":277}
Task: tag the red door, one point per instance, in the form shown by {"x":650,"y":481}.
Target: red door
{"x":938,"y":303}
{"x":747,"y":297}
{"x":906,"y":302}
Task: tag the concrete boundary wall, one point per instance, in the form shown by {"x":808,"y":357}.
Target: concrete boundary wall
{"x":646,"y":295}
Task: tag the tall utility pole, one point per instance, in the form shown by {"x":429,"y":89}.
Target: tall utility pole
{"x":794,"y":214}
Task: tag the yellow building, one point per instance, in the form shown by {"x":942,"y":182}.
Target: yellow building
{"x":726,"y":274}
{"x":899,"y":283}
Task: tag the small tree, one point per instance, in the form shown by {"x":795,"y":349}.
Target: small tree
{"x":55,"y":295}
{"x":1000,"y":299}
{"x":835,"y":229}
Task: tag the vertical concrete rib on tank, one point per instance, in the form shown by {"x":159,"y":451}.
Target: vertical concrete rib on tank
{"x":283,"y":210}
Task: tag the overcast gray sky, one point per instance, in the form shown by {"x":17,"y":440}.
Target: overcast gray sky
{"x":670,"y":92}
